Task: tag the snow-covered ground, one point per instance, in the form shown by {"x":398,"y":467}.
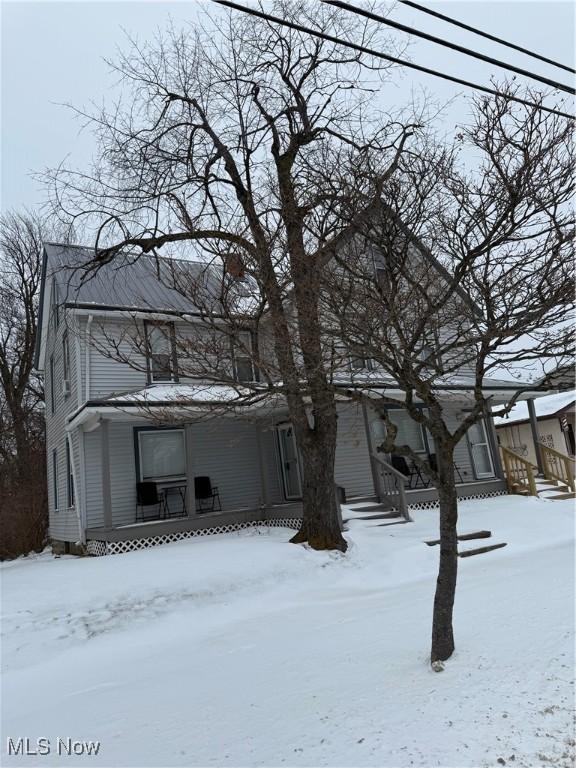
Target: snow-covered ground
{"x":242,"y":650}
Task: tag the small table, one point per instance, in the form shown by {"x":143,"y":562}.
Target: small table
{"x":171,"y":490}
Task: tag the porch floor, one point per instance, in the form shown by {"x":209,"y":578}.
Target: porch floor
{"x":159,"y":527}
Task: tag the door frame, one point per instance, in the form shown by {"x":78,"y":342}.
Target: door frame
{"x":284,"y":428}
{"x":487,"y":443}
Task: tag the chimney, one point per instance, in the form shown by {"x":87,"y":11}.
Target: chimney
{"x":234,"y":266}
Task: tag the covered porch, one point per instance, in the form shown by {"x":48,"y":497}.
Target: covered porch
{"x":145,"y":474}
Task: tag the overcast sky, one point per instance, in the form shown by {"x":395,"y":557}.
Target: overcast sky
{"x":52,"y":53}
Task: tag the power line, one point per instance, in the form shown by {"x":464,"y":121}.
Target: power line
{"x":448,"y":44}
{"x":386,"y":57}
{"x":488,"y":36}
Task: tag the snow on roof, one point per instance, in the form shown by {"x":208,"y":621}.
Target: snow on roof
{"x":545,"y":406}
{"x":183,"y":393}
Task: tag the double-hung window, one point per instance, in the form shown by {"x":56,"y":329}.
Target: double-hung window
{"x":161,"y":352}
{"x":244,"y":369}
{"x":66,"y":362}
{"x":52,"y":385}
{"x":409,"y":431}
{"x":69,"y":476}
{"x":360,"y":363}
{"x":55,"y":478}
{"x":161,"y":454}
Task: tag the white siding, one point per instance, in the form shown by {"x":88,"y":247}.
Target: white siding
{"x":225,"y":450}
{"x":353,"y":470}
{"x":63,"y":522}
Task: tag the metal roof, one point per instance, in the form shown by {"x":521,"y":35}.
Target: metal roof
{"x":131,"y":282}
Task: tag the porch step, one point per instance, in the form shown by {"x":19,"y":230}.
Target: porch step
{"x":464,"y":537}
{"x":569,"y":495}
{"x":480,"y":550}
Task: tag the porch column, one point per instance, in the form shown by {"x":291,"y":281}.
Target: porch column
{"x":534,"y":430}
{"x":262,"y":467}
{"x":105,"y":466}
{"x":493,"y":440}
{"x":190,"y":473}
{"x":371,"y":449}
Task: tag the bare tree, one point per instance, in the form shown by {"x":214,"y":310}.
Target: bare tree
{"x":22,"y":459}
{"x":463,"y":271}
{"x":237,"y":144}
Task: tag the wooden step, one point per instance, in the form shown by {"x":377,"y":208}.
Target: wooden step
{"x":554,"y":488}
{"x":570,"y":495}
{"x":464,"y":537}
{"x":480,"y":550}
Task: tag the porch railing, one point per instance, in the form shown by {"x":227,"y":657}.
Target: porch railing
{"x":393,"y":486}
{"x":557,"y":466}
{"x":519,"y":472}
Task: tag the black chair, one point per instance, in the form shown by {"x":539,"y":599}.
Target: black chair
{"x":206,"y":494}
{"x":411,"y":473}
{"x":434,"y":465}
{"x":147,"y":496}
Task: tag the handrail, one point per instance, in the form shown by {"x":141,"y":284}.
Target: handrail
{"x":551,"y":458}
{"x":397,"y":489}
{"x":519,"y":472}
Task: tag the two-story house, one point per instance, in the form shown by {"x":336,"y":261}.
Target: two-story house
{"x":136,"y":454}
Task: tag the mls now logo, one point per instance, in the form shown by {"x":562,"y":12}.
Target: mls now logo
{"x":25,"y":746}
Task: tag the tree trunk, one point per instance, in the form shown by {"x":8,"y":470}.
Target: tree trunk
{"x":442,"y":630}
{"x":320,"y":526}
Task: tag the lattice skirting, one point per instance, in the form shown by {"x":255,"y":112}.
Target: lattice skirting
{"x":99,"y":548}
{"x":434,"y":503}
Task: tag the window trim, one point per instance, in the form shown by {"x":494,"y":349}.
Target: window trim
{"x":55,"y":499}
{"x":52,"y":392}
{"x":138,"y":454}
{"x":249,"y":358}
{"x":368,"y":364}
{"x":65,"y":357}
{"x":148,"y":325}
{"x":426,"y":446}
{"x":70,"y":490}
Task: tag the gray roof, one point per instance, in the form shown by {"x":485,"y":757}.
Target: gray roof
{"x":131,"y":282}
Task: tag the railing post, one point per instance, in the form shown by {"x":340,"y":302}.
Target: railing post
{"x":534,"y":429}
{"x":531,"y":481}
{"x":403,"y":503}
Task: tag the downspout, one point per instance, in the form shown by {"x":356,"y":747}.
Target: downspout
{"x":81,"y":534}
{"x":87,"y":366}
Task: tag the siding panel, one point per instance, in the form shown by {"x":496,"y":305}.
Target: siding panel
{"x":353,"y":470}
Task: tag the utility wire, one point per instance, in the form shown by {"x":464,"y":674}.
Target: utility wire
{"x":461,"y":24}
{"x":385,"y":56}
{"x":448,"y":44}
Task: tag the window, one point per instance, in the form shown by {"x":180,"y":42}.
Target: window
{"x":51,"y":384}
{"x":66,"y":356}
{"x":358,"y":363}
{"x":55,"y":478}
{"x":409,"y":431}
{"x":55,"y":306}
{"x":161,"y":454}
{"x":161,"y":349}
{"x":69,"y":476}
{"x":243,"y":364}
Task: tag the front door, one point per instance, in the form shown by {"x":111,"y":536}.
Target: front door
{"x":290,"y":462}
{"x":480,"y":450}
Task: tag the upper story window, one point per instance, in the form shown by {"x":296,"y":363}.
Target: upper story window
{"x":55,"y":306}
{"x":359,"y":363}
{"x":51,"y":385}
{"x":66,"y":364}
{"x":244,"y":368}
{"x":161,"y":352}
